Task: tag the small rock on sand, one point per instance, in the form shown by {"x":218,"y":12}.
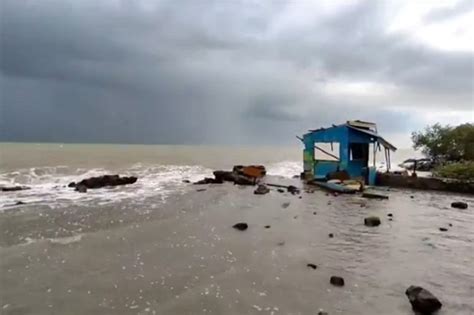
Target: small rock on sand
{"x":323,"y":313}
{"x":459,"y":205}
{"x":285,"y":205}
{"x":372,"y":221}
{"x":267,"y":226}
{"x":261,"y":190}
{"x":422,"y":300}
{"x":331,"y":235}
{"x":280,"y":190}
{"x":442,"y":229}
{"x":390,"y":215}
{"x":312,"y":266}
{"x":337,"y":281}
{"x":240,"y":226}
{"x":315,"y":213}
{"x":201,"y":189}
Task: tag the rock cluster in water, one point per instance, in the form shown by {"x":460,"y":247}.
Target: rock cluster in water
{"x":102,"y":181}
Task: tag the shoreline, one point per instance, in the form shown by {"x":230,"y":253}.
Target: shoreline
{"x":187,"y":259}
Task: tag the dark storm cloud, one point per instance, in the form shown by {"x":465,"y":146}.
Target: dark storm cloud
{"x":206,"y":71}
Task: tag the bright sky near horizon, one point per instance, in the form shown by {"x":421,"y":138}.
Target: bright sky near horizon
{"x":239,"y":72}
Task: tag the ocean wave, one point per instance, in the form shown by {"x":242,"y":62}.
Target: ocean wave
{"x":49,"y":184}
{"x":285,"y":168}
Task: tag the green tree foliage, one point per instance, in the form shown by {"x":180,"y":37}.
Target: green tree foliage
{"x":446,"y":142}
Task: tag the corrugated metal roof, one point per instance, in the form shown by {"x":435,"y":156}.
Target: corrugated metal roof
{"x":380,"y":139}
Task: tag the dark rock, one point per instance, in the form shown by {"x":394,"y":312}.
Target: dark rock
{"x":315,"y":213}
{"x":14,"y":188}
{"x":285,"y":205}
{"x":226,"y":176}
{"x":337,"y":281}
{"x":18,"y":203}
{"x":390,"y":219}
{"x":106,"y":180}
{"x":412,"y":197}
{"x":313,"y":266}
{"x":240,"y":226}
{"x":209,"y":180}
{"x":323,"y":313}
{"x":459,"y":205}
{"x":267,"y":226}
{"x":390,"y":215}
{"x":422,"y":300}
{"x":450,"y":224}
{"x":372,"y":221}
{"x":261,"y":190}
{"x":244,"y":181}
{"x":442,"y":229}
{"x":71,"y":185}
{"x":293,"y":190}
{"x":280,"y":190}
{"x":81,"y":188}
{"x":331,"y":235}
{"x":186,"y":181}
{"x":201,"y":189}
{"x":300,"y":197}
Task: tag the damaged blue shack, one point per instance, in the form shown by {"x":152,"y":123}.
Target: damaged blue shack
{"x":350,"y":148}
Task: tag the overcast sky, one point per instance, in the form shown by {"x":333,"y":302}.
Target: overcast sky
{"x":230,"y":71}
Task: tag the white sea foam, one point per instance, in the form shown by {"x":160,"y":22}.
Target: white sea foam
{"x":49,"y":184}
{"x":285,"y":168}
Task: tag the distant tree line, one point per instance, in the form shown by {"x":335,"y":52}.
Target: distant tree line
{"x":446,"y":143}
{"x":450,"y":148}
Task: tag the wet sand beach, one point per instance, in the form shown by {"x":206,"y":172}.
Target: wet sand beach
{"x":184,"y":257}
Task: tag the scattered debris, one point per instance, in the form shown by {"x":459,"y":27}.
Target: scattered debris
{"x":240,"y":226}
{"x":313,"y":266}
{"x":201,"y":189}
{"x":459,"y":205}
{"x":13,"y":188}
{"x":374,"y":195}
{"x":390,"y":215}
{"x":372,"y":221}
{"x":422,"y":300}
{"x":103,"y":181}
{"x":280,"y":190}
{"x":261,"y":190}
{"x":285,"y":205}
{"x":293,"y":190}
{"x":442,"y":229}
{"x":337,"y":281}
{"x":323,"y":313}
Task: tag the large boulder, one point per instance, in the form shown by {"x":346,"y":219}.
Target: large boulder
{"x":372,"y":221}
{"x":422,"y":300}
{"x":261,"y":190}
{"x":225,"y":176}
{"x":459,"y":205}
{"x":105,"y":180}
